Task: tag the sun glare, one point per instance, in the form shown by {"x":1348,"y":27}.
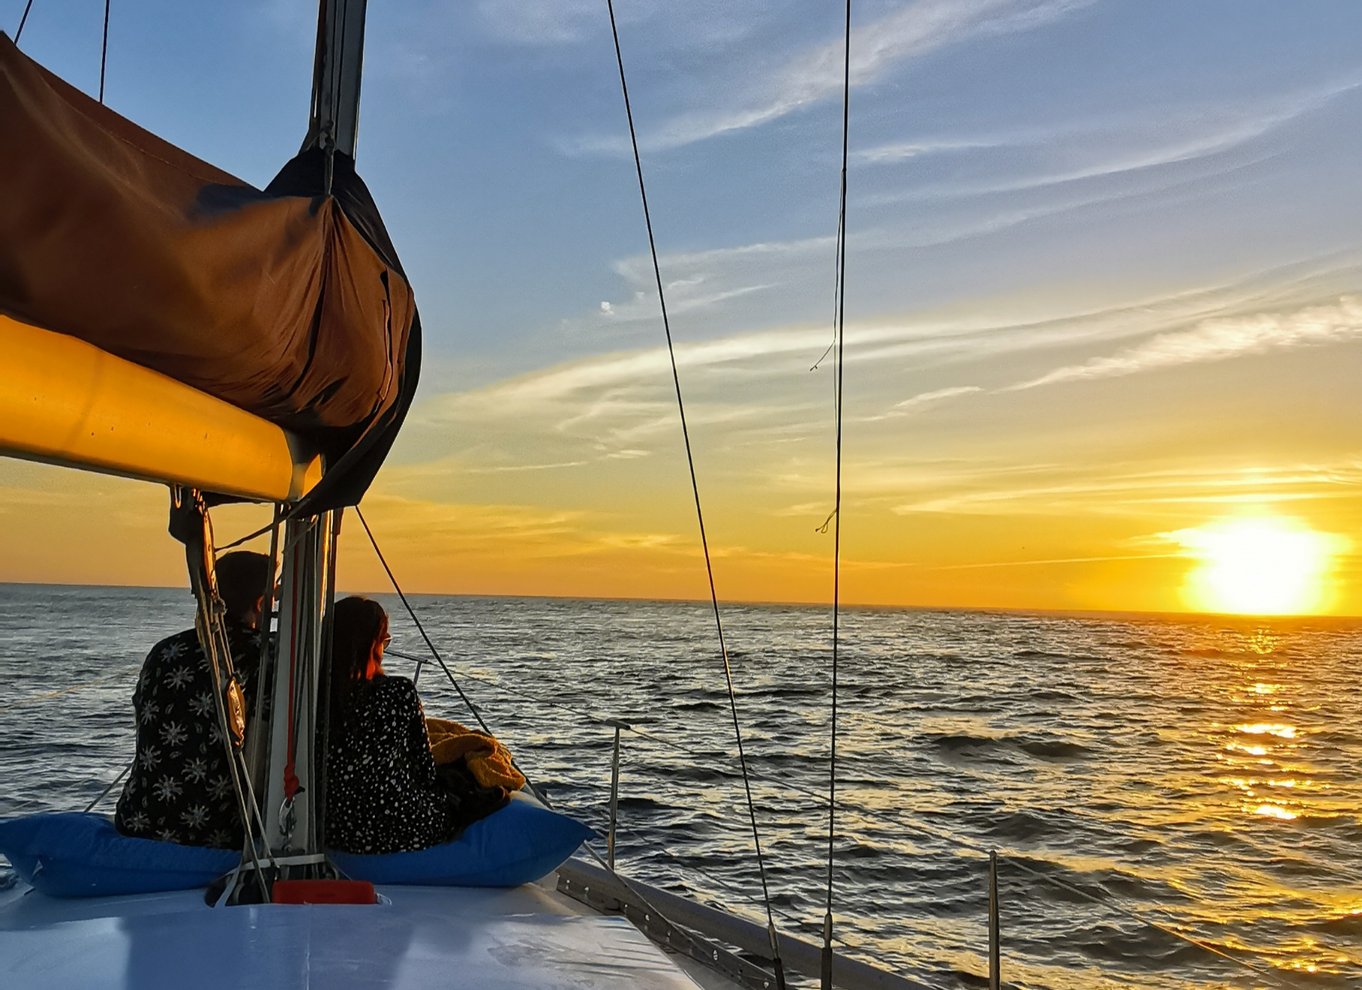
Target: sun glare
{"x":1263,"y":565}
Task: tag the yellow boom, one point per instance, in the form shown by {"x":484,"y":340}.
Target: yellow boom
{"x":63,"y":401}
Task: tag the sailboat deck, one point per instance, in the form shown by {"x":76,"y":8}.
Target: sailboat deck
{"x":419,"y":937}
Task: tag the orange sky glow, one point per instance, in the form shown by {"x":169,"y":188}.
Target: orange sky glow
{"x":1101,"y":341}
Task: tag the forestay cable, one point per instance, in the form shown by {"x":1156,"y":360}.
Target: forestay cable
{"x":104,"y":51}
{"x":840,"y":327}
{"x":22,"y":21}
{"x":699,"y":512}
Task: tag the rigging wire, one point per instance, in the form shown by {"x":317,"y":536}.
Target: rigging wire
{"x":699,"y":512}
{"x":840,"y":334}
{"x":22,"y":21}
{"x":104,"y":51}
{"x":419,"y":627}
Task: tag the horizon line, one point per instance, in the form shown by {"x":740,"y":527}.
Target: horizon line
{"x":878,"y":606}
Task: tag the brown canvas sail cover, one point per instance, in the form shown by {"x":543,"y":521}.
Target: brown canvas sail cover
{"x":286,"y":302}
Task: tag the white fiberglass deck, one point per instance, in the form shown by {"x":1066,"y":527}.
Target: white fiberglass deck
{"x":423,"y":937}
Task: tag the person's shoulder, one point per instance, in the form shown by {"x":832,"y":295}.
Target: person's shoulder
{"x":174,"y":647}
{"x":240,"y":633}
{"x":393,"y":687}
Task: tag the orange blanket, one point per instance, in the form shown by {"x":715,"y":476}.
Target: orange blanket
{"x":488,"y":760}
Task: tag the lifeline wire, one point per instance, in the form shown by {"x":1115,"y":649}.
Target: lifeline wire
{"x":914,"y":826}
{"x":699,"y":512}
{"x":121,"y":774}
{"x":826,"y":973}
{"x":910,"y":824}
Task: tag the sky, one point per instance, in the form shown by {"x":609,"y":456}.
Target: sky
{"x":1103,"y":295}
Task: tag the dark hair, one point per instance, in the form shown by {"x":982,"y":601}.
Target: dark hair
{"x":242,"y":576}
{"x":356,"y":625}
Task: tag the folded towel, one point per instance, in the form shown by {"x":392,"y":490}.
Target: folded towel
{"x":488,"y":760}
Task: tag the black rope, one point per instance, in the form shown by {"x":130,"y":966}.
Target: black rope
{"x":420,"y":628}
{"x":294,"y":511}
{"x":699,"y":512}
{"x":22,"y":21}
{"x":827,"y":956}
{"x":268,"y":527}
{"x":104,"y":51}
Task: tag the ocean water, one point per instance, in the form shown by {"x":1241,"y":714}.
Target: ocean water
{"x":1204,"y":774}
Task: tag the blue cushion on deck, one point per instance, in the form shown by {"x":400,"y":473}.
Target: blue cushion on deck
{"x":516,"y":844}
{"x":72,"y":854}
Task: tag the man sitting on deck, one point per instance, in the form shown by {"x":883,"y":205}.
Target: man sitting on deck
{"x":180,"y":786}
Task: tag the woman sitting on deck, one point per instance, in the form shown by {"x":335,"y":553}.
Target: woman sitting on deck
{"x":382,"y":791}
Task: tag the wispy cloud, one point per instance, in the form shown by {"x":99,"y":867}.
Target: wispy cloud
{"x":925,"y":399}
{"x":754,"y":388}
{"x":1105,"y":148}
{"x":642,"y":377}
{"x":1052,"y":561}
{"x":460,"y":528}
{"x":814,"y":75}
{"x":1003,"y":489}
{"x":541,"y":22}
{"x":695,"y":280}
{"x":1218,"y":340}
{"x":902,"y":151}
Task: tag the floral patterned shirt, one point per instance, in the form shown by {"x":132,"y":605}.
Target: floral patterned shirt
{"x":180,"y":786}
{"x":382,"y":795}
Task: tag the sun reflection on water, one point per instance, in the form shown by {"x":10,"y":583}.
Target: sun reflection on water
{"x":1275,"y":811}
{"x":1261,"y":748}
{"x":1268,"y":729}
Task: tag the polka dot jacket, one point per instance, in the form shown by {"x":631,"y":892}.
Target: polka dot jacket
{"x":382,"y":795}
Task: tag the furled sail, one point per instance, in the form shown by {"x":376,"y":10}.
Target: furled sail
{"x":288,"y":303}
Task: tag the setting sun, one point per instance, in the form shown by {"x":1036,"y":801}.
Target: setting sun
{"x":1258,"y":566}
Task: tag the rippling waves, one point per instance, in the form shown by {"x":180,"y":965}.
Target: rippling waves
{"x":1205,"y":774}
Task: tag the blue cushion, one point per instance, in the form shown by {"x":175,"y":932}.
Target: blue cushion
{"x":516,"y":844}
{"x":70,"y":854}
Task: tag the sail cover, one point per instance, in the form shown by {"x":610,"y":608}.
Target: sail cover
{"x":287,"y":302}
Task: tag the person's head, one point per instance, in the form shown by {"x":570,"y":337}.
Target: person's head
{"x":359,"y":635}
{"x":242,"y":575}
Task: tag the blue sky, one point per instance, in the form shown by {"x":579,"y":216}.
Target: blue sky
{"x":1103,"y":271}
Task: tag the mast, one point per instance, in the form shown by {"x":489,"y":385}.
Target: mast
{"x":294,"y":829}
{"x":336,"y":77}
